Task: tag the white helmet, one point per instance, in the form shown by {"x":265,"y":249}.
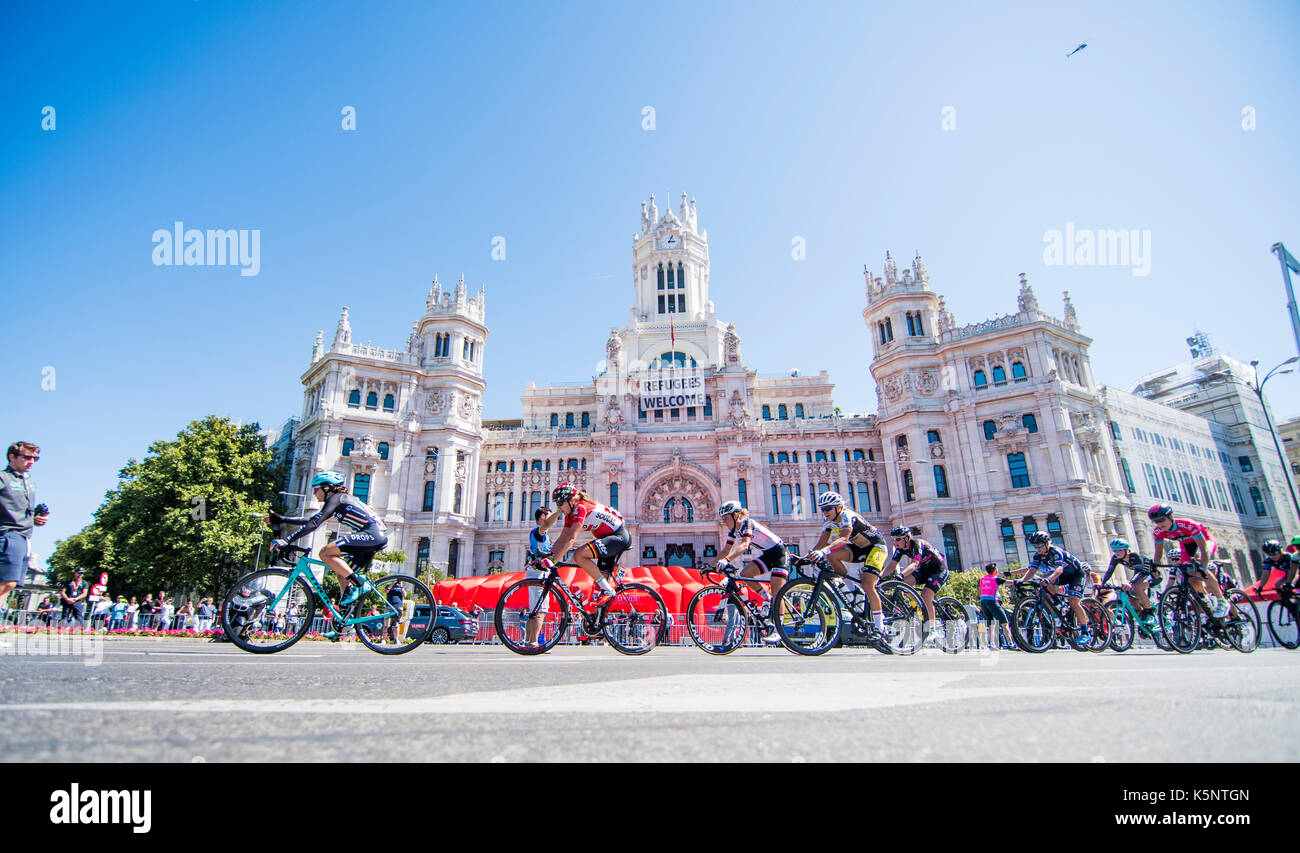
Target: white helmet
{"x":829,"y":500}
{"x":728,"y":508}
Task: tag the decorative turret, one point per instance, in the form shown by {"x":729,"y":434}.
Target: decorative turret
{"x":918,"y":269}
{"x":318,"y":351}
{"x":891,"y":270}
{"x":1071,"y":318}
{"x":1027,"y":301}
{"x":343,"y":334}
{"x":435,"y":293}
{"x":654,"y":211}
{"x":460,"y":290}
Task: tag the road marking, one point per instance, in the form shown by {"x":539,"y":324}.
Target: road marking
{"x":675,"y":694}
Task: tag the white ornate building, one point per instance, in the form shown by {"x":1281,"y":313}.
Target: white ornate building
{"x":985,"y":432}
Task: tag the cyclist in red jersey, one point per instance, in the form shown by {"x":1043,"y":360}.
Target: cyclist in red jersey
{"x":610,"y":536}
{"x":1194,"y":542}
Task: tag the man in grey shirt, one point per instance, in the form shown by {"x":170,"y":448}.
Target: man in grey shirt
{"x":18,"y":513}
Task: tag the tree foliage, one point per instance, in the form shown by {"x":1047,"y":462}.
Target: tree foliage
{"x":188,"y":515}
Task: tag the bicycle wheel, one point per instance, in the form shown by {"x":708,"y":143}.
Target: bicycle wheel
{"x":807,"y":625}
{"x":1181,"y":621}
{"x":1284,"y":624}
{"x":252,"y":623}
{"x":904,"y":616}
{"x":635,"y":619}
{"x":1098,"y":623}
{"x":1244,"y":635}
{"x":405,"y":615}
{"x":956,"y":630}
{"x":1032,"y":626}
{"x":528,"y":599}
{"x":715,"y":621}
{"x":1122,"y":629}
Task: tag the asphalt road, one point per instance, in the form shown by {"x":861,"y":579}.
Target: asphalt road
{"x":186,"y":700}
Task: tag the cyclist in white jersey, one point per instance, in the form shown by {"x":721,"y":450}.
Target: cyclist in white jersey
{"x":742,"y":532}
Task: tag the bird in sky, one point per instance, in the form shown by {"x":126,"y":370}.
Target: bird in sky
{"x":1076,"y":50}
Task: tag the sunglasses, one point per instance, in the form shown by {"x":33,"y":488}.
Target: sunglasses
{"x":27,"y":456}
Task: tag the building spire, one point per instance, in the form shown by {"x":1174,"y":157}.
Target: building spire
{"x":1071,"y":318}
{"x":460,"y":290}
{"x":918,"y":269}
{"x":1027,"y":301}
{"x":891,"y":269}
{"x":318,"y":350}
{"x":435,"y":293}
{"x":654,"y":211}
{"x":343,"y":334}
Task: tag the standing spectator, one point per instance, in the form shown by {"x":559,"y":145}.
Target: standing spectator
{"x":185,"y":617}
{"x":147,"y":611}
{"x":73,"y":597}
{"x":44,"y":609}
{"x":166,"y":611}
{"x":118,"y":614}
{"x":101,"y":611}
{"x":19,"y":512}
{"x":991,"y":609}
{"x":132,"y":614}
{"x":206,"y":612}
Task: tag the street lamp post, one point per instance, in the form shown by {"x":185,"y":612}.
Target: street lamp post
{"x":1258,"y":388}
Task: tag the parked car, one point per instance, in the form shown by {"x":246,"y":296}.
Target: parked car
{"x":452,"y":625}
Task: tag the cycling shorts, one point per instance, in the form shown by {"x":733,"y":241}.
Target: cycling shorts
{"x":934,"y":579}
{"x":873,"y":557}
{"x":362,"y":546}
{"x":774,"y":562}
{"x":607,"y":550}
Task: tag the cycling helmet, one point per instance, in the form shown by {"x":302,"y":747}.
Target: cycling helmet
{"x":1295,"y":540}
{"x":1272,"y":547}
{"x":563,"y":492}
{"x":829,"y":500}
{"x":1038,"y":537}
{"x":327,"y":478}
{"x":900,"y":532}
{"x":1160,"y":511}
{"x":728,"y":508}
{"x":1118,"y":545}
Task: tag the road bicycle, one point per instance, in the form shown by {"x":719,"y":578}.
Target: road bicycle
{"x":811,"y":612}
{"x":1185,"y":616}
{"x":633,"y":622}
{"x":720,"y":617}
{"x":1284,"y":617}
{"x":1126,"y":625}
{"x":1043,"y":616}
{"x":271,"y":609}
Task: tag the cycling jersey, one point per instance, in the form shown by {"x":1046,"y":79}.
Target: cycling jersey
{"x":1056,"y":558}
{"x":759,"y":536}
{"x":350,"y":512}
{"x":598,"y":518}
{"x":1184,"y":532}
{"x":928,"y":561}
{"x":854,"y":526}
{"x":1141,"y":566}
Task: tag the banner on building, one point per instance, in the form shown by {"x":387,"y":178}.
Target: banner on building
{"x":671,"y":389}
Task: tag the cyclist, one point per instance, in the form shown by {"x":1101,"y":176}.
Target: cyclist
{"x":539,"y":549}
{"x":1144,"y":573}
{"x":1280,"y":564}
{"x":599,"y":557}
{"x":849,"y":538}
{"x":1193,"y":540}
{"x":926,"y":563}
{"x":366,"y":538}
{"x":743,"y":531}
{"x":1062,"y":573}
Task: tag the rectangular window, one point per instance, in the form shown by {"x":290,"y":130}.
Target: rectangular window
{"x":1246,"y":466}
{"x":499,"y":506}
{"x":361,"y":487}
{"x":1010,"y":552}
{"x":1114,"y":430}
{"x":1019,"y":470}
{"x":1128,"y":476}
{"x":1190,"y":489}
{"x":742,"y":493}
{"x":1054,"y":531}
{"x":1260,"y":509}
{"x":1236,"y":499}
{"x":428,"y":496}
{"x":1221,"y":495}
{"x":613,"y":495}
{"x":1030,"y":527}
{"x":951,"y":548}
{"x":1171,"y":484}
{"x":1205,"y":492}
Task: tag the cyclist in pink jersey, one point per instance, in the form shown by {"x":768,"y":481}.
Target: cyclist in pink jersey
{"x":610,"y":536}
{"x":1197,"y":548}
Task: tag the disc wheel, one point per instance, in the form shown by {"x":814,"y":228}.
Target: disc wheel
{"x":807,"y":621}
{"x":1284,"y":623}
{"x":904,"y":616}
{"x":636,"y":619}
{"x":401,"y":615}
{"x":536,"y":600}
{"x":263,"y":614}
{"x":1122,"y":629}
{"x":1181,"y":621}
{"x":715,"y":621}
{"x":956,"y":628}
{"x":1032,"y":626}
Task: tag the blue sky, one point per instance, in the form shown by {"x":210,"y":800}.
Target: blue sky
{"x":524,"y":120}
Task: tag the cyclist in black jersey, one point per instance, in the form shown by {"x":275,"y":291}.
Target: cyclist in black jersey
{"x":1143,"y":570}
{"x":928,"y":566}
{"x":366,"y":538}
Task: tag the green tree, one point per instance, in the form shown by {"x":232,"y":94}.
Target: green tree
{"x":187,"y":516}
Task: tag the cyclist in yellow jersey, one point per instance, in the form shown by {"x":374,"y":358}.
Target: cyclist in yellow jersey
{"x":849,"y":538}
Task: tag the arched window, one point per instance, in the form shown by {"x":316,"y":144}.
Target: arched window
{"x":390,"y":402}
{"x":555,"y":419}
{"x":690,"y":510}
{"x":909,"y":487}
{"x":586,"y":419}
{"x":742,"y":493}
{"x":981,"y":381}
{"x":501,"y":466}
{"x":990,"y":430}
{"x":383,"y":450}
{"x":932,"y":436}
{"x":940,"y":482}
{"x":999,"y":375}
{"x":568,"y":420}
{"x":372,"y":400}
{"x":348,"y":444}
{"x":571,"y":465}
{"x":428,"y":496}
{"x":798,"y":410}
{"x":361,"y":487}
{"x":783,"y":457}
{"x":767,"y":413}
{"x":771,"y":458}
{"x":782,"y":412}
{"x":535,"y":465}
{"x":819,"y":456}
{"x":858,"y":455}
{"x":354,"y":399}
{"x":583,"y":466}
{"x":1018,"y":371}
{"x":534,"y":503}
{"x":668,"y":508}
{"x":1030,"y":422}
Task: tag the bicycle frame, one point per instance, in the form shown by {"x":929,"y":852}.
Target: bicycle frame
{"x":731,"y":585}
{"x":303,"y":569}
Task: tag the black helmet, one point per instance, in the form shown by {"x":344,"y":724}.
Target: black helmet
{"x":900,"y":532}
{"x":1038,"y":537}
{"x":1272,"y":547}
{"x":1160,"y":511}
